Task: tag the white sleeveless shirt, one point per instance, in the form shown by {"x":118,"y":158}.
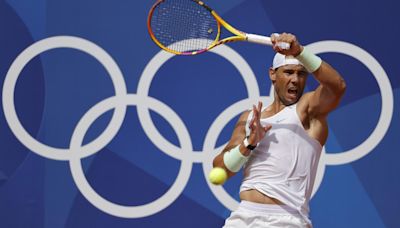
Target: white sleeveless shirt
{"x":284,"y":164}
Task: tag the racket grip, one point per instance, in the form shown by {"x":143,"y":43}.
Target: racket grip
{"x":265,"y":40}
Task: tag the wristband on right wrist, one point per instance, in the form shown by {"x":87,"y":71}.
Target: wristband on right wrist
{"x":309,"y":60}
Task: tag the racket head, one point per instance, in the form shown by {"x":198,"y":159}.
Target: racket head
{"x":183,"y":27}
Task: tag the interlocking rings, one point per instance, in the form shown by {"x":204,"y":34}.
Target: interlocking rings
{"x":185,"y":154}
{"x":97,"y":200}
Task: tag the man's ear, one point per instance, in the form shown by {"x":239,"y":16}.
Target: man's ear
{"x":272,"y":75}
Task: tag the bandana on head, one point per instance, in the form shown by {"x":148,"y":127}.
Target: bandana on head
{"x":281,"y":60}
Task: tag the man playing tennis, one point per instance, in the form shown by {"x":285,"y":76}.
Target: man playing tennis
{"x":280,"y":146}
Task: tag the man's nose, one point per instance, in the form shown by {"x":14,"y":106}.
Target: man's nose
{"x":295,"y":78}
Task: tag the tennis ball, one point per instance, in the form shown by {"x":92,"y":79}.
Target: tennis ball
{"x":218,"y":176}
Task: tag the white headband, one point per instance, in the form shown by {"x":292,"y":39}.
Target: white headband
{"x":281,"y":60}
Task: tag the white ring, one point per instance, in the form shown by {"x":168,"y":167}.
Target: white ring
{"x":91,"y":195}
{"x":386,"y":92}
{"x":143,"y":90}
{"x":28,"y":54}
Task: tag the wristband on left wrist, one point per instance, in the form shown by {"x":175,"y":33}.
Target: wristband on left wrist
{"x":309,"y":60}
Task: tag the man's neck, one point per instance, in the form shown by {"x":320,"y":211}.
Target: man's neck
{"x":276,"y":106}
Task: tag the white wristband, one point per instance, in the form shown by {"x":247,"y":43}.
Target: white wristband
{"x":310,"y":61}
{"x":234,"y":160}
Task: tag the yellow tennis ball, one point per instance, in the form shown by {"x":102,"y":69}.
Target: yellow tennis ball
{"x":218,"y":176}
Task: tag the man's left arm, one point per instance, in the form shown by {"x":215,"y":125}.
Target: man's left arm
{"x":328,"y":94}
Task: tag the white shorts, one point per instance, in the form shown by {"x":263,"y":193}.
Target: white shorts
{"x":255,"y":215}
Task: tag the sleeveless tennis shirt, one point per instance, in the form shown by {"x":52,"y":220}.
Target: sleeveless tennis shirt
{"x":284,"y":164}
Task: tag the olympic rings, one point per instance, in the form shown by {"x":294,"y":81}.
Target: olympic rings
{"x":185,"y":153}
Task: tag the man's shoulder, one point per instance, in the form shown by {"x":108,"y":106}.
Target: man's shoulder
{"x":305,"y":100}
{"x":305,"y":107}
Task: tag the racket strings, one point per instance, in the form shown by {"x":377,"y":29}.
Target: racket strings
{"x":183,"y":25}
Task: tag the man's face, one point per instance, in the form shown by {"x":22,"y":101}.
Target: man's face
{"x":289,"y":82}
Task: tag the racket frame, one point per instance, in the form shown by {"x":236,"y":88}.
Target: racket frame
{"x":238,"y":35}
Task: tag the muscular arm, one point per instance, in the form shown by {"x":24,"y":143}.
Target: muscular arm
{"x":328,"y":94}
{"x":315,"y":106}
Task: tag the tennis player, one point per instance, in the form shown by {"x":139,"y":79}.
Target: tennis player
{"x":280,"y":145}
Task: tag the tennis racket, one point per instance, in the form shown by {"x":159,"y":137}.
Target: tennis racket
{"x":189,"y":27}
